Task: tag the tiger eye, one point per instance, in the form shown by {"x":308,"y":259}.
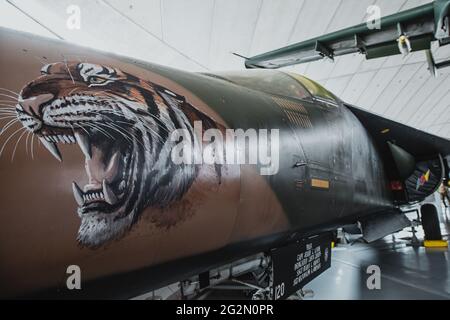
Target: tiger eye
{"x":96,"y":80}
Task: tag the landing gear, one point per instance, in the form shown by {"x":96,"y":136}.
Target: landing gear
{"x":280,"y":273}
{"x":430,"y":222}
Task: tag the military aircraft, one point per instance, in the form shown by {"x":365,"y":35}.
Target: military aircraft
{"x":90,"y":179}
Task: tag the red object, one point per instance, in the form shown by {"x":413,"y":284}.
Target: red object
{"x":396,"y":185}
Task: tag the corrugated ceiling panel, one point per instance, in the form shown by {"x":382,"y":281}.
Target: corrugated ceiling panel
{"x":202,"y":35}
{"x":147,"y":13}
{"x":275,"y":24}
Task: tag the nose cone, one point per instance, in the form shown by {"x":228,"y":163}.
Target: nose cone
{"x":32,"y":105}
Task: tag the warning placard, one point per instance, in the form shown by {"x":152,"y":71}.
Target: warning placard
{"x":297,"y":264}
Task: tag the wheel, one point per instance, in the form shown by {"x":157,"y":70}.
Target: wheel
{"x":430,"y":222}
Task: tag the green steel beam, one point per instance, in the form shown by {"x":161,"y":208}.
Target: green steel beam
{"x":421,"y":25}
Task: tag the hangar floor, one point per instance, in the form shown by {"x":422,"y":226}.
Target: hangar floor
{"x":407,"y":272}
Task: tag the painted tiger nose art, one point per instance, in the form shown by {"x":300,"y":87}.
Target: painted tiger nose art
{"x":121,"y":124}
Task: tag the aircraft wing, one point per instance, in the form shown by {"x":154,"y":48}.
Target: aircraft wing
{"x":418,"y":143}
{"x":414,"y":29}
{"x":417,"y":155}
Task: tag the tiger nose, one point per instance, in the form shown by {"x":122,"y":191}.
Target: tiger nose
{"x":32,"y":105}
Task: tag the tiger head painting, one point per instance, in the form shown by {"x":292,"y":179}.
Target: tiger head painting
{"x":121,"y":124}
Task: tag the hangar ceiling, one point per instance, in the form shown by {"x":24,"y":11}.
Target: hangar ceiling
{"x":199,"y":35}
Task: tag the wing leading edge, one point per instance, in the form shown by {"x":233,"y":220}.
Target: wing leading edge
{"x":412,"y":30}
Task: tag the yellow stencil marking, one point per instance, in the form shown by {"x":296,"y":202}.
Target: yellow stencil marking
{"x":319,"y":183}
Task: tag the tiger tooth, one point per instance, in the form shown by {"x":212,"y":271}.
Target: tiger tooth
{"x":113,"y":163}
{"x":85,"y":145}
{"x":52,"y":148}
{"x":66,"y":139}
{"x":110,"y":197}
{"x":77,"y":193}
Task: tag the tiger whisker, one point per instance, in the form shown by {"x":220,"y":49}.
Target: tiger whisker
{"x":157,"y":124}
{"x":114,"y":126}
{"x":26,"y":142}
{"x":8,"y":101}
{"x":8,"y":96}
{"x":10,"y":91}
{"x":32,"y":146}
{"x":134,"y":116}
{"x":91,"y":125}
{"x":6,"y":109}
{"x":123,"y":134}
{"x":98,"y":127}
{"x":95,"y":127}
{"x":146,"y":126}
{"x":68,"y":70}
{"x":8,"y":125}
{"x":9,"y":138}
{"x":122,"y":114}
{"x":87,"y":132}
{"x":9,"y":113}
{"x":81,"y":127}
{"x":149,"y":128}
{"x":17,"y":143}
{"x":8,"y":117}
{"x":154,"y":117}
{"x":4,"y":127}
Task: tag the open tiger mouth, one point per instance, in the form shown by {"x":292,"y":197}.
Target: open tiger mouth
{"x":107,"y":163}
